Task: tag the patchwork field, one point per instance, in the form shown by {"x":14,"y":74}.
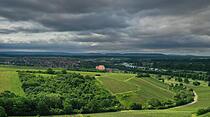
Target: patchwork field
{"x":128,"y":89}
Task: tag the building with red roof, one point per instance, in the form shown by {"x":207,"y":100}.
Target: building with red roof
{"x":101,"y":67}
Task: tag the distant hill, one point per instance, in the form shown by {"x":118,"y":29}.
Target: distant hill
{"x":65,"y":54}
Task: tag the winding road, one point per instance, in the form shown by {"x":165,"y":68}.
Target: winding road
{"x":195,"y":100}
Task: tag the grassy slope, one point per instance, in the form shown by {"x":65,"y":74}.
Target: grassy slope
{"x":9,"y":80}
{"x":205,"y":115}
{"x":155,"y":113}
{"x":202,"y":91}
{"x":130,"y":89}
{"x":136,"y":90}
{"x":143,"y":113}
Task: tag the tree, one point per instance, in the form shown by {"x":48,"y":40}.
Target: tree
{"x":179,"y":79}
{"x":154,"y":103}
{"x":67,"y":107}
{"x":196,"y":83}
{"x":7,"y":94}
{"x":203,"y":111}
{"x":42,"y":107}
{"x":135,"y":106}
{"x":50,"y":71}
{"x":159,"y":75}
{"x":64,"y":71}
{"x":186,"y":81}
{"x":2,"y":112}
{"x":208,"y":78}
{"x":139,"y":75}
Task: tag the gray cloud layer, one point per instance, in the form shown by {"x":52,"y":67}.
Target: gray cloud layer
{"x":171,"y":26}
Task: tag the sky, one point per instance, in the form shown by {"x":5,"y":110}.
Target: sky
{"x":105,"y":26}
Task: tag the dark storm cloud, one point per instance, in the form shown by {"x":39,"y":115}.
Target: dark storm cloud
{"x":105,"y":13}
{"x":105,"y":25}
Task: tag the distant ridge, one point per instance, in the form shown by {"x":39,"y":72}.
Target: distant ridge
{"x":13,"y":53}
{"x":66,"y":54}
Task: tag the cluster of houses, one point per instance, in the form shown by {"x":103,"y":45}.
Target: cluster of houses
{"x":103,"y":68}
{"x":129,"y":65}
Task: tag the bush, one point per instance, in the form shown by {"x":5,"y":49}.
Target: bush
{"x":196,"y":83}
{"x":64,"y":71}
{"x":50,"y":71}
{"x":135,"y":106}
{"x":179,"y":79}
{"x":139,"y":75}
{"x":98,"y":75}
{"x":7,"y":94}
{"x":186,"y":81}
{"x":154,"y":103}
{"x":203,"y":111}
{"x":2,"y":112}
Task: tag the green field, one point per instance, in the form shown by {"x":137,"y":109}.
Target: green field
{"x":9,"y":80}
{"x":124,"y":85}
{"x":143,"y":113}
{"x":129,"y":89}
{"x":205,"y":115}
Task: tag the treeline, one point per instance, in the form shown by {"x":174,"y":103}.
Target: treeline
{"x":183,"y":64}
{"x":174,"y":63}
{"x":184,"y":74}
{"x":58,"y":94}
{"x":203,"y":111}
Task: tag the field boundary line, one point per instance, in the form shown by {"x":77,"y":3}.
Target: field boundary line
{"x":129,"y":79}
{"x":158,"y":86}
{"x":127,"y":92}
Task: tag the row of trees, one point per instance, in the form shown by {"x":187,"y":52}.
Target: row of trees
{"x":182,"y":74}
{"x":203,"y":111}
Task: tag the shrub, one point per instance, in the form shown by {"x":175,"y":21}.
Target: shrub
{"x":186,"y":81}
{"x":196,"y":83}
{"x":154,"y":103}
{"x":50,"y":71}
{"x":135,"y":106}
{"x":64,"y":71}
{"x":2,"y":112}
{"x":7,"y":94}
{"x":203,"y":111}
{"x":139,"y":75}
{"x":98,"y":75}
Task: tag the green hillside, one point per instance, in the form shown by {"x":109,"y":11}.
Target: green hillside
{"x":128,"y":89}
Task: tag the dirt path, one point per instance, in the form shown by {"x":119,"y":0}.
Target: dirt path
{"x":195,"y":100}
